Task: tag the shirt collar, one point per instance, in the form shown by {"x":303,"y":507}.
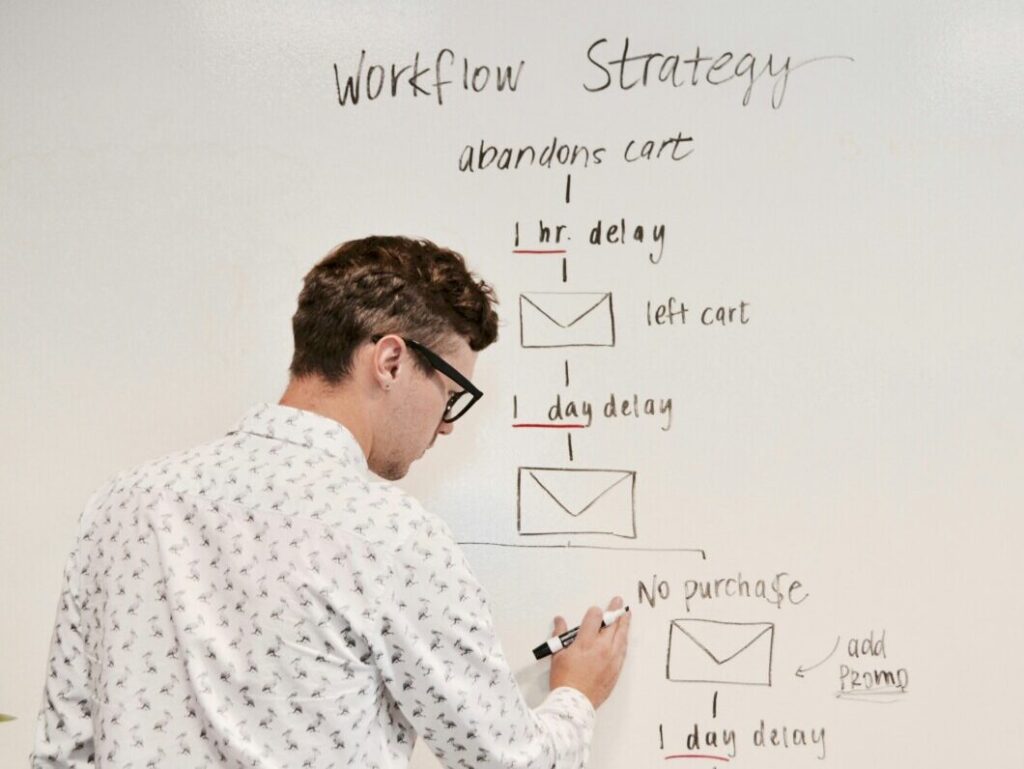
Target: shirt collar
{"x":303,"y":428}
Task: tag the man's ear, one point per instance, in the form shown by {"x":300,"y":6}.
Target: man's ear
{"x":388,"y":357}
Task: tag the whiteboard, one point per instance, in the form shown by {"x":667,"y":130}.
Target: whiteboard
{"x":763,"y":381}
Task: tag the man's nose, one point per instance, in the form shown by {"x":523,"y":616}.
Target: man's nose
{"x":445,"y":427}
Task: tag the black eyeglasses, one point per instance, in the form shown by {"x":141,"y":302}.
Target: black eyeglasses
{"x":459,"y":403}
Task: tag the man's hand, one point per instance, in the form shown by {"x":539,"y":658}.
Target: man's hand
{"x":593,"y":662}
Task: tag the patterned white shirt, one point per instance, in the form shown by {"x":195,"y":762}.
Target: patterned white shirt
{"x":264,"y":601}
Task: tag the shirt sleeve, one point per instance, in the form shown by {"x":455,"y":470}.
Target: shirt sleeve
{"x":441,"y":662}
{"x":64,"y":730}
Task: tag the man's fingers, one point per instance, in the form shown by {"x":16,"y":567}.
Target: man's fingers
{"x":621,"y":637}
{"x":615,"y":604}
{"x":590,"y":625}
{"x":560,"y":626}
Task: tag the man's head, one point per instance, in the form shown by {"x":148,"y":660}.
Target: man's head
{"x":371,"y":315}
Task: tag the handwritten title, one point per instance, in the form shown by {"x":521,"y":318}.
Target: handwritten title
{"x":435,"y":76}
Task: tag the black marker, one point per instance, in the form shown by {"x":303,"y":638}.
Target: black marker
{"x":558,"y":643}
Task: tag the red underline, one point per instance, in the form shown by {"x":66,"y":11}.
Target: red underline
{"x":527,"y":251}
{"x":697,"y":755}
{"x":550,"y":426}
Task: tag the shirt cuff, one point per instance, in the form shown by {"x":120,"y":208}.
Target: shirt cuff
{"x":575,"y":706}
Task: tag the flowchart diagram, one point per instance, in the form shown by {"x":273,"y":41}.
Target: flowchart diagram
{"x":580,"y":505}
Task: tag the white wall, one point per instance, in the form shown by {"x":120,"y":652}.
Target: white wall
{"x":168,"y":172}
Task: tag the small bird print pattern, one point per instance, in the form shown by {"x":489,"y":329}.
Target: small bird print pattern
{"x":263,"y":600}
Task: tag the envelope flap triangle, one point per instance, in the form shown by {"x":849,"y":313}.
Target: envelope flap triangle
{"x":576,"y":491}
{"x":723,"y":640}
{"x":565,"y":309}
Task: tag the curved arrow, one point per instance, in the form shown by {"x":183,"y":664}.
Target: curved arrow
{"x":801,"y":669}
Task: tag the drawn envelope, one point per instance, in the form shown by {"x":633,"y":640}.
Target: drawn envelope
{"x":706,"y":651}
{"x":576,"y":501}
{"x":579,"y":319}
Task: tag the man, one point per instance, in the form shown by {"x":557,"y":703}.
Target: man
{"x":263,"y":600}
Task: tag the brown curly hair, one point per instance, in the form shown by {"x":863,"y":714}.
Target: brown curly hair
{"x":386,"y":285}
